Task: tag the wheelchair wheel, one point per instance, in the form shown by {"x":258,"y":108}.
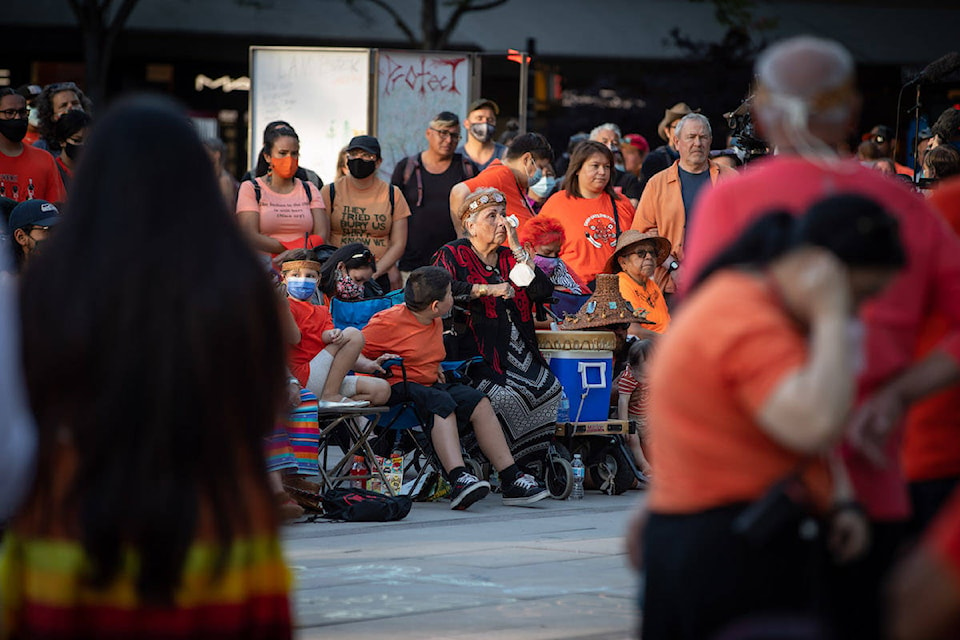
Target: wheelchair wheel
{"x":612,"y":471}
{"x":474,"y":467}
{"x":558,"y":477}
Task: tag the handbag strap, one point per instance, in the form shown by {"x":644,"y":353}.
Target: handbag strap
{"x":616,"y":214}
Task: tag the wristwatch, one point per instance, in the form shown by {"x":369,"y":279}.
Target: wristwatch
{"x":673,"y":266}
{"x":481,"y":290}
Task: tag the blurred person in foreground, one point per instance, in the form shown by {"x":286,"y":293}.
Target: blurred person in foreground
{"x":806,"y":101}
{"x":151,"y":515}
{"x":18,"y":440}
{"x":738,"y":408}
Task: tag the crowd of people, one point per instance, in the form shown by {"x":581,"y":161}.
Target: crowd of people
{"x":787,"y":343}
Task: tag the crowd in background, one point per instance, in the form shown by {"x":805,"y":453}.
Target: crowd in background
{"x":790,"y":351}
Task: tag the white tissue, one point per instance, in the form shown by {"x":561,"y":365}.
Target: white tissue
{"x":521,"y":274}
{"x":514,"y":221}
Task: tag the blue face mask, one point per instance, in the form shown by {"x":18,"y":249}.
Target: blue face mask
{"x":543,"y":186}
{"x":301,"y":288}
{"x":535,"y":178}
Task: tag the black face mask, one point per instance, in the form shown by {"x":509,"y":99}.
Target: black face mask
{"x":72,"y":151}
{"x":360,"y":168}
{"x":14,"y":130}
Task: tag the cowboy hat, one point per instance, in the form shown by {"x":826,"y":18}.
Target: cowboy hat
{"x":671,"y":115}
{"x":629,"y":240}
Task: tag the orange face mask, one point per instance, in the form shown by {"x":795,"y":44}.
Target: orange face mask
{"x":284,"y":167}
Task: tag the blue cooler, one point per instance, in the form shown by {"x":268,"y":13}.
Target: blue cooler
{"x":587,"y":377}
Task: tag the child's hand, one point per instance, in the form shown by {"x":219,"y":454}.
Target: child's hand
{"x":333,"y":336}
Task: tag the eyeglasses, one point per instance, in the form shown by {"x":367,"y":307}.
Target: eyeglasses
{"x":363,"y":155}
{"x":10,"y":114}
{"x":37,"y":227}
{"x":445,"y":135}
{"x":640,"y":253}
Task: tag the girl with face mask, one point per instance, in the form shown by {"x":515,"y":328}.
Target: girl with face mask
{"x":366,"y":209}
{"x":279,"y":211}
{"x":542,"y":238}
{"x":69,"y":132}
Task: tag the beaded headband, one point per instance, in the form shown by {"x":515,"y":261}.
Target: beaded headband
{"x":486,"y":200}
{"x":300,"y":264}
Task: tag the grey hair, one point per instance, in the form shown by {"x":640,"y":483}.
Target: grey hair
{"x":797,"y":70}
{"x":690,"y":117}
{"x":445,"y":119}
{"x":471,"y":216}
{"x":606,"y":125}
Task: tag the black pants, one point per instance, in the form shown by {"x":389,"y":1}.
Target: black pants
{"x":701,"y":577}
{"x":854,"y":591}
{"x":927,"y":497}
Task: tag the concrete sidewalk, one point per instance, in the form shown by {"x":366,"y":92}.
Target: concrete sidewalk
{"x":554,"y":570}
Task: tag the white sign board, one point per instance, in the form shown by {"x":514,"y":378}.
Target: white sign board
{"x":323,"y":93}
{"x":412,"y":88}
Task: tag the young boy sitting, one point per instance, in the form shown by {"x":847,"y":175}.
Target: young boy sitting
{"x":414,"y":332}
{"x":321,"y":355}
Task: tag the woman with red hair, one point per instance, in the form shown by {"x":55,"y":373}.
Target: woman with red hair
{"x":543,"y":238}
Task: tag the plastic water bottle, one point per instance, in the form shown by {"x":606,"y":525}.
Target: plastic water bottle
{"x":578,"y":470}
{"x":563,"y":409}
{"x":358,"y":469}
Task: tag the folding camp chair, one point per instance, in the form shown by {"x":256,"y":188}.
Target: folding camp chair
{"x":350,"y":429}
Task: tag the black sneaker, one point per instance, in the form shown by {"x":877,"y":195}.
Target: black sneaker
{"x":467,"y":490}
{"x":524,"y":490}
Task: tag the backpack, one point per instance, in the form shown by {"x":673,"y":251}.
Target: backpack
{"x":361,"y":505}
{"x":413,"y":166}
{"x":306,"y":187}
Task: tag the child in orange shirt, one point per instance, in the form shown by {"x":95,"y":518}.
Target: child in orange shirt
{"x":322,"y":355}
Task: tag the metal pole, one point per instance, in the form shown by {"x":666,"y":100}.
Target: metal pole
{"x":524,"y":66}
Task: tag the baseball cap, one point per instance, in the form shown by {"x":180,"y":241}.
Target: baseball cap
{"x":366,"y":143}
{"x":39,"y":213}
{"x":879,"y":131}
{"x":480,"y":103}
{"x":29,"y":91}
{"x":637,"y":140}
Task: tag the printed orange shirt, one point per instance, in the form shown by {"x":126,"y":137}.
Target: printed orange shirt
{"x":646,"y":296}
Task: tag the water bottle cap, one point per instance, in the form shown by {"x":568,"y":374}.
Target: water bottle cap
{"x":576,"y":455}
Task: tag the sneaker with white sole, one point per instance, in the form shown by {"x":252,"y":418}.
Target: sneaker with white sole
{"x":524,"y":490}
{"x":466,"y":490}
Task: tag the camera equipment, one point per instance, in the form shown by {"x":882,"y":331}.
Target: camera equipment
{"x":745,"y":140}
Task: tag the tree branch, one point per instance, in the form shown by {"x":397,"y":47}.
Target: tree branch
{"x":123,"y":13}
{"x":397,"y":18}
{"x":462,"y":7}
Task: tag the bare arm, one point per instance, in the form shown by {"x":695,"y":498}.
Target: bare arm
{"x":250,"y":224}
{"x":321,"y":223}
{"x":458,"y":194}
{"x":398,"y":244}
{"x":808,"y":410}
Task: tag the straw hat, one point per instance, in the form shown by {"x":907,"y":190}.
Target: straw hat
{"x":605,"y":307}
{"x":671,"y":115}
{"x":629,"y":240}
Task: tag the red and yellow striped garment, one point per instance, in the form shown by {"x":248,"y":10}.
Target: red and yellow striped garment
{"x":44,"y":594}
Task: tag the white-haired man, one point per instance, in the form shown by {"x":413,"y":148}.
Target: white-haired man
{"x":626,"y":184}
{"x":805,"y":104}
{"x":668,"y":198}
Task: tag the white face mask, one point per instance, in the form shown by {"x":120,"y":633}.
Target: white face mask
{"x":521,"y":274}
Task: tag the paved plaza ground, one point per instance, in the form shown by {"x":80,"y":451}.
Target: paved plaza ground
{"x":555,"y":570}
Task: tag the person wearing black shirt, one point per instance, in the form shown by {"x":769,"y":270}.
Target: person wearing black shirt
{"x":426,"y":180}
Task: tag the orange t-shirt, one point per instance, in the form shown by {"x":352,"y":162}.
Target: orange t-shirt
{"x":313,"y":320}
{"x":396,"y":330}
{"x":358,"y":215}
{"x":32,"y":174}
{"x":500,"y":176}
{"x":931,"y":441}
{"x":589,"y":228}
{"x":646,"y":297}
{"x":709,"y":378}
{"x":285,"y":217}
